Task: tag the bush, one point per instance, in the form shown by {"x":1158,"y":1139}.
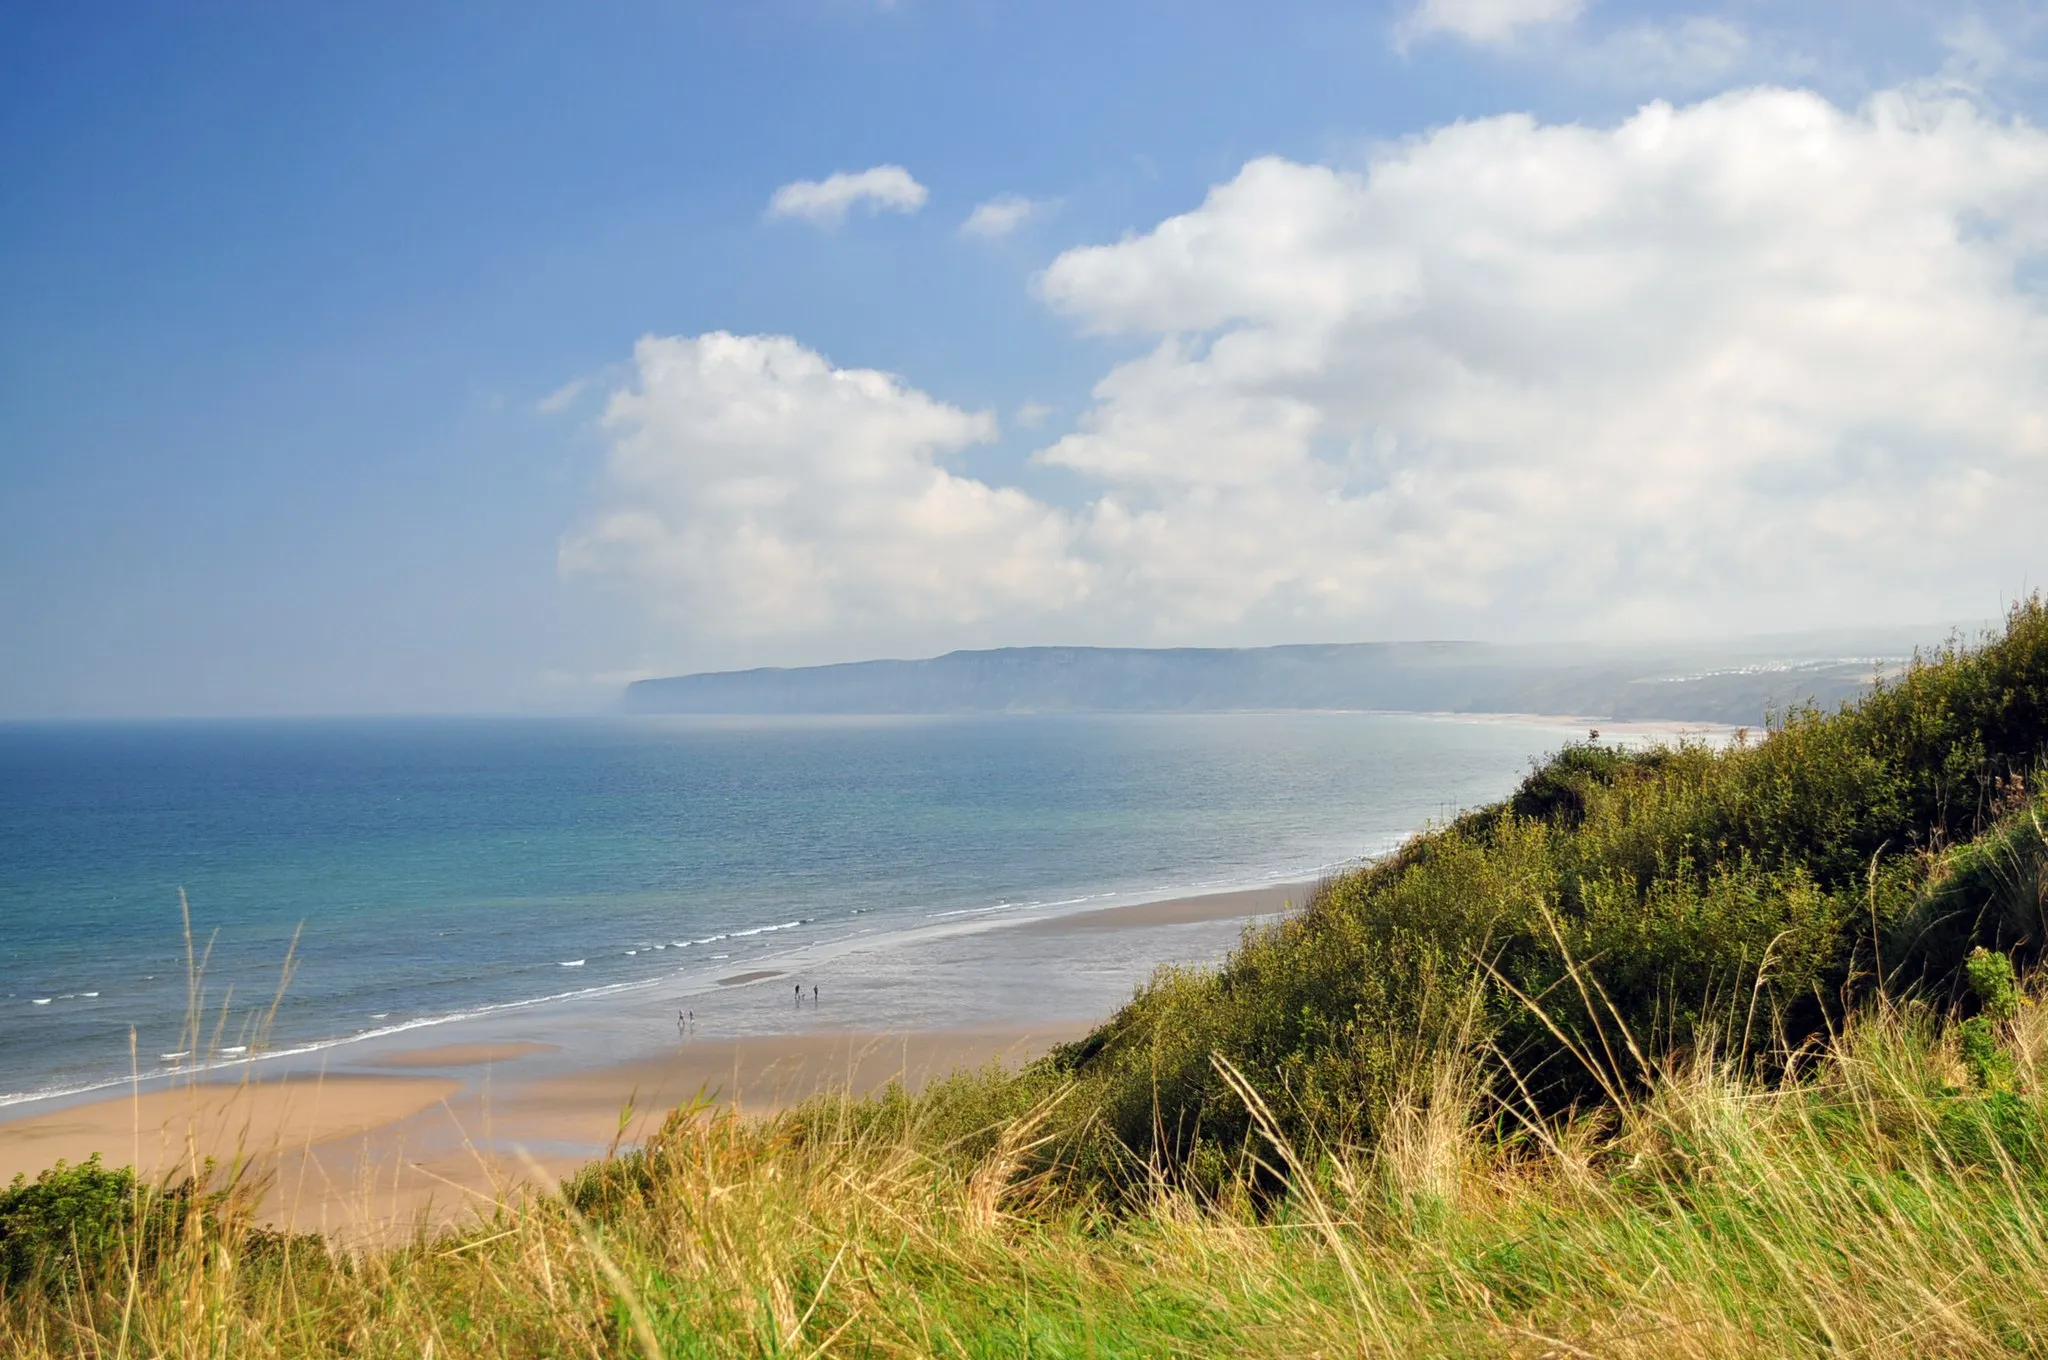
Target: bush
{"x":73,"y":1218}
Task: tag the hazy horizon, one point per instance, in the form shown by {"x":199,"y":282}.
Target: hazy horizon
{"x":342,"y":375}
{"x":1883,"y":644}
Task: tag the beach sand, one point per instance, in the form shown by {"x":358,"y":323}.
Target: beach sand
{"x":1179,"y":911}
{"x":432,"y":1132}
{"x":460,"y":1055}
{"x":168,"y":1131}
{"x":367,"y":1158}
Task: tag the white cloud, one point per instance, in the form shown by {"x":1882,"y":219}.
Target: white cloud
{"x":1488,"y":21}
{"x":758,"y":491}
{"x":1986,"y":59}
{"x":1032,"y":414}
{"x":1758,"y":362}
{"x":562,"y":398}
{"x":1689,"y":53}
{"x":825,"y":202}
{"x":1000,"y":216}
{"x":1677,"y":54}
{"x":1755,"y":359}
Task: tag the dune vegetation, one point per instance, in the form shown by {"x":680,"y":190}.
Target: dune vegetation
{"x":1680,"y":1052}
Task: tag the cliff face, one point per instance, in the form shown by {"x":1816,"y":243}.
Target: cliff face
{"x":1733,"y":683}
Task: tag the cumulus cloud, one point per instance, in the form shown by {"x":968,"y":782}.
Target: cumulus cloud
{"x":757,"y":490}
{"x":1743,"y":361}
{"x":1757,"y":362}
{"x":826,"y":202}
{"x":1000,"y":216}
{"x":1488,"y":21}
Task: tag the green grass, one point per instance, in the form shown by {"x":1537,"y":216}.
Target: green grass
{"x":1876,"y":1201}
{"x":1676,"y":1053}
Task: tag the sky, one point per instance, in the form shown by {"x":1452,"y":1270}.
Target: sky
{"x":481,"y":358}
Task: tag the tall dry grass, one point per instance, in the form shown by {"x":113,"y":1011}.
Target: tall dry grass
{"x":1873,"y":1199}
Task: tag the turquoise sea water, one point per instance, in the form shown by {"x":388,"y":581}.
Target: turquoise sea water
{"x":434,"y":868}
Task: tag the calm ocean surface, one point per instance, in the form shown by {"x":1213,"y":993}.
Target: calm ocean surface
{"x":433,"y":868}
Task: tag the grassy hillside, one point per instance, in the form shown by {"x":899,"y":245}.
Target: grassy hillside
{"x":1619,"y":910}
{"x":1673,"y":1053}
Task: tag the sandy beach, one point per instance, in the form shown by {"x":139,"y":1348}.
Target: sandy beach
{"x":364,"y":1157}
{"x":1244,"y":904}
{"x":373,"y":1143}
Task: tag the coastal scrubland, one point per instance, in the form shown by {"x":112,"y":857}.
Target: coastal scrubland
{"x":1679,"y":1052}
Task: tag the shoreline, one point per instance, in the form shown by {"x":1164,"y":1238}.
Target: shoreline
{"x":312,"y":1039}
{"x":364,"y":1146}
{"x":1163,"y":906}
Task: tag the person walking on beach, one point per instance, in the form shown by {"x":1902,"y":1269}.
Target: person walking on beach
{"x":814,"y":993}
{"x":799,"y":994}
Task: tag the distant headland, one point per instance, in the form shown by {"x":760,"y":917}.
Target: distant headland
{"x":1739,"y":681}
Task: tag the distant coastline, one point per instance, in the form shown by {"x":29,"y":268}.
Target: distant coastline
{"x":1740,"y":682}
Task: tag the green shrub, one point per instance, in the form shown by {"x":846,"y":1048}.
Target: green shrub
{"x":71,"y":1218}
{"x":1990,"y":1066}
{"x":1991,"y":978}
{"x":87,"y":1223}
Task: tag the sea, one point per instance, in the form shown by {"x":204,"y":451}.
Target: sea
{"x":199,"y":892}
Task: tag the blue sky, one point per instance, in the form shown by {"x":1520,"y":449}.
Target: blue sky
{"x":319,"y":387}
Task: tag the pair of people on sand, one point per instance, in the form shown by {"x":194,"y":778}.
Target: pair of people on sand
{"x":686,"y":1021}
